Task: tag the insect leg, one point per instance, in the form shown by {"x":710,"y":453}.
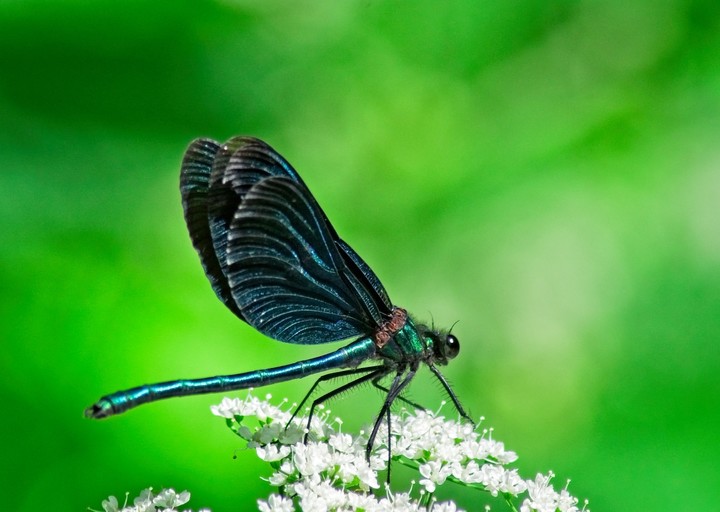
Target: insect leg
{"x":375,"y":372}
{"x":323,"y":378}
{"x":376,"y":383}
{"x":398,"y":384}
{"x":451,"y":394}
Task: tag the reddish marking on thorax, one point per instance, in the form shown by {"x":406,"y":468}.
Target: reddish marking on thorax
{"x":390,"y":328}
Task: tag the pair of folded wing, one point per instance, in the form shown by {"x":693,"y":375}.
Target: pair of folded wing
{"x":269,"y":251}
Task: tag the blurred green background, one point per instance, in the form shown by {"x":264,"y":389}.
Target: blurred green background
{"x":545,"y":172}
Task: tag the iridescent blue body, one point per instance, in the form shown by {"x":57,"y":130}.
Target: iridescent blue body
{"x":274,"y":259}
{"x":407,"y":346}
{"x":350,"y":356}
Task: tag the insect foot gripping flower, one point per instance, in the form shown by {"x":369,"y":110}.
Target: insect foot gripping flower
{"x":331,"y":472}
{"x":166,"y":500}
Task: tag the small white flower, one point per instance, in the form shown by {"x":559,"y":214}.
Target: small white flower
{"x":398,"y":501}
{"x":366,"y":475}
{"x":272,"y":452}
{"x":469,"y":474}
{"x":543,"y":497}
{"x":341,"y":442}
{"x":473,"y":449}
{"x":227,"y":408}
{"x":435,"y":473}
{"x":110,"y":504}
{"x":144,"y":501}
{"x":566,"y":502}
{"x":447,"y":506}
{"x":311,"y":458}
{"x":496,"y":450}
{"x":276,"y":503}
{"x":168,"y":498}
{"x":492,"y":476}
{"x":512,"y":483}
{"x":280,"y":477}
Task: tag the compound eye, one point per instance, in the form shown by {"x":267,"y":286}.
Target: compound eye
{"x":452,"y":346}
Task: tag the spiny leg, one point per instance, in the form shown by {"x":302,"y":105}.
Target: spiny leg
{"x":451,"y":393}
{"x":323,"y":378}
{"x":371,"y":440}
{"x":399,"y":383}
{"x":376,"y":383}
{"x":378,"y":372}
{"x":389,"y":443}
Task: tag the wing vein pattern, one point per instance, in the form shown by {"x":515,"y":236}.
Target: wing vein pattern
{"x":268,"y":249}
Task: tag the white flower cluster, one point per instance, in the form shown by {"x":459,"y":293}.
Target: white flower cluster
{"x":330,"y":471}
{"x":542,"y":496}
{"x":166,"y":500}
{"x":449,"y":449}
{"x":327,"y":497}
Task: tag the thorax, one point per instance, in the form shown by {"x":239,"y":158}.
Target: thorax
{"x":405,"y":345}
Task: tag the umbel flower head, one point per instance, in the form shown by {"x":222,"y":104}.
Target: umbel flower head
{"x":330,"y":472}
{"x":166,"y":500}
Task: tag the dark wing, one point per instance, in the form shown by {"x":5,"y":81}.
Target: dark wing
{"x":228,"y":174}
{"x":286,"y":273}
{"x":209,"y":199}
{"x":375,"y":293}
{"x":240,"y":163}
{"x":194,"y":188}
